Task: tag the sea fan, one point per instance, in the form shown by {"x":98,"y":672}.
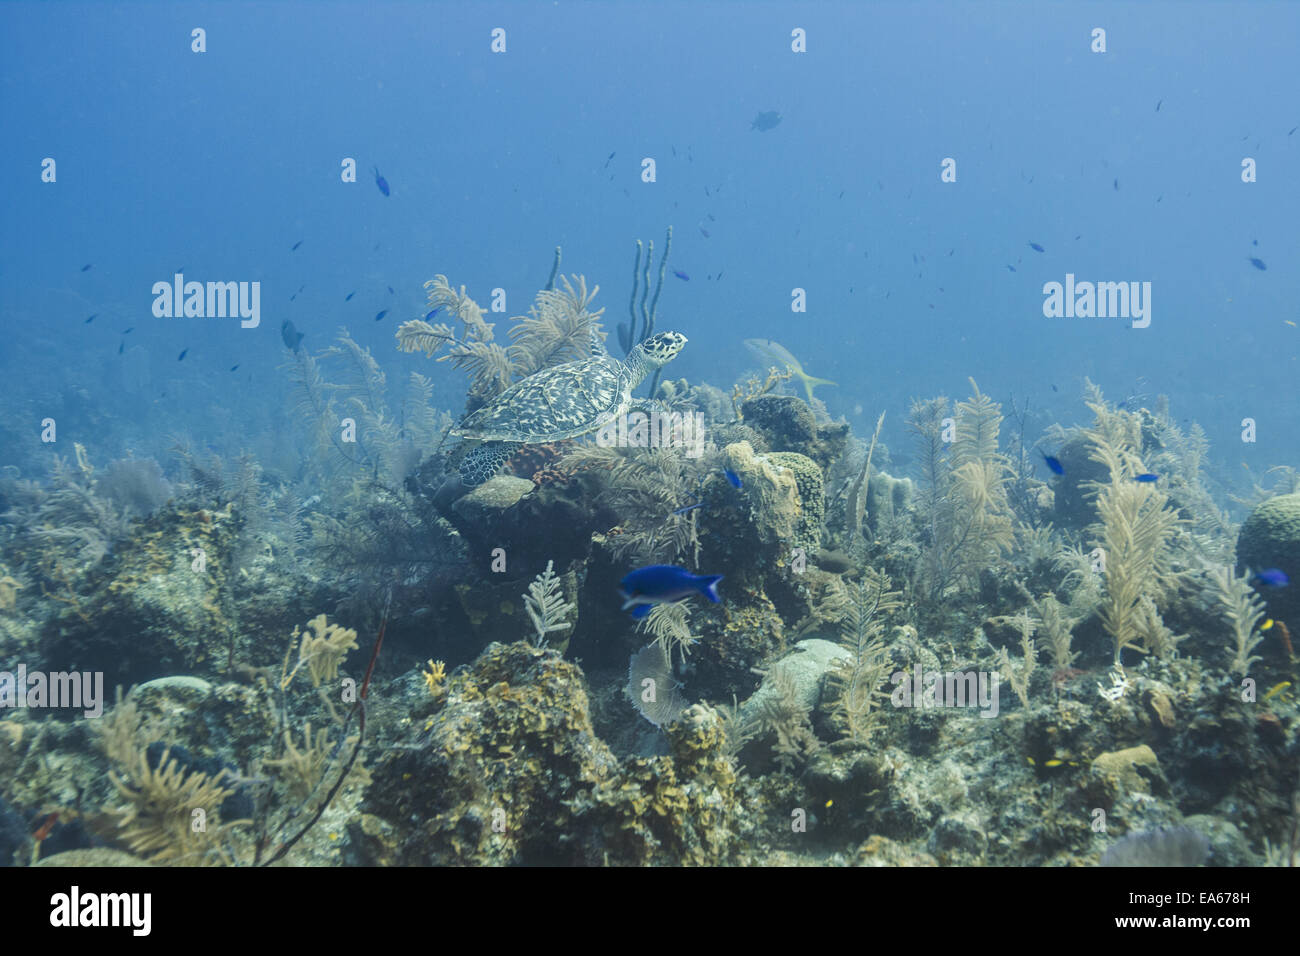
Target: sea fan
{"x":1171,"y":846}
{"x":650,"y":684}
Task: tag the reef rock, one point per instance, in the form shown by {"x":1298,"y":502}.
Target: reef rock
{"x":509,"y":770}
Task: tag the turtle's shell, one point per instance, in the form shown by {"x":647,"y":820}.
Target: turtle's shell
{"x":563,"y":401}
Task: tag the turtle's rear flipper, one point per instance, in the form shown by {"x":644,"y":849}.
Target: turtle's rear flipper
{"x":484,"y":462}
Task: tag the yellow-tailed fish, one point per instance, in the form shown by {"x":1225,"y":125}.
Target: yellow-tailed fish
{"x":1273,"y":692}
{"x":776,"y":354}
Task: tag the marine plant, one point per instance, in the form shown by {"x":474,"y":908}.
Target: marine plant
{"x":558,"y":328}
{"x":1136,"y":530}
{"x":1243,"y":609}
{"x":162,"y":798}
{"x":669,"y":626}
{"x":856,"y":681}
{"x":779,"y":713}
{"x":1018,"y":676}
{"x":546,"y":606}
{"x":964,"y":495}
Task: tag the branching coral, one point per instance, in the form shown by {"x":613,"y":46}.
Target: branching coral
{"x":560,"y":327}
{"x":856,"y":681}
{"x":1243,"y":610}
{"x":171,"y":816}
{"x":321,"y":649}
{"x":1136,"y":532}
{"x":546,"y":606}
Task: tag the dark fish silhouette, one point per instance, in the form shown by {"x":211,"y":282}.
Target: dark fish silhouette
{"x":1116,"y":185}
{"x":121,"y":348}
{"x":681,"y":275}
{"x":294,"y":247}
{"x":291,"y":336}
{"x":234,"y":368}
{"x":91,"y":319}
{"x":129,"y":331}
{"x":86,"y":267}
{"x":766,"y":121}
{"x":381,"y":182}
{"x":1054,"y":464}
{"x":1258,"y":264}
{"x":1158,"y":102}
{"x":1036,"y":247}
{"x":1147,"y":479}
{"x":1012,"y":268}
{"x":704,"y":232}
{"x":607,"y":162}
{"x":181,"y":357}
{"x":380,"y":316}
{"x":428,"y":316}
{"x":390,"y":291}
{"x":733,"y":478}
{"x":348,"y":297}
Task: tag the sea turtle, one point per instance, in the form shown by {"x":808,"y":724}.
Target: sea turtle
{"x":563,"y":401}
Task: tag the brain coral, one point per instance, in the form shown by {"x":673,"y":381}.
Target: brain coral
{"x":1270,"y":538}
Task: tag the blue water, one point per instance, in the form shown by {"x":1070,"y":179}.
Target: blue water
{"x":218,"y":162}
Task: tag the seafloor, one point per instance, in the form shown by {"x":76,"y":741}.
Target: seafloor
{"x":1008,"y":642}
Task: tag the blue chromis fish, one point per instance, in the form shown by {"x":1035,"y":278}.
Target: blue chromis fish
{"x":381,"y":182}
{"x":428,"y":316}
{"x":1053,"y":464}
{"x":348,"y":297}
{"x":294,"y":247}
{"x":1258,"y":264}
{"x":776,"y":354}
{"x":181,"y":357}
{"x":681,"y":275}
{"x":734,"y":478}
{"x":1272,"y":577}
{"x":382,"y":313}
{"x":1036,"y":247}
{"x":1147,"y":479}
{"x":662,"y":584}
{"x":86,"y":267}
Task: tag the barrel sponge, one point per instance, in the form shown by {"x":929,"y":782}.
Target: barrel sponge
{"x":1270,"y":538}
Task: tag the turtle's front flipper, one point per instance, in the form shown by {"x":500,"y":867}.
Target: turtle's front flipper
{"x":484,"y":462}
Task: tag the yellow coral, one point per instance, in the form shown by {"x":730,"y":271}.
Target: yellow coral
{"x":435,"y":679}
{"x":322,"y":652}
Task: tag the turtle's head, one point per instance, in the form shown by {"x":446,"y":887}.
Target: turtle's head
{"x":662,"y":347}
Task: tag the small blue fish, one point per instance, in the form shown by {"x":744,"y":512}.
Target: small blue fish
{"x":681,"y":275}
{"x":348,"y":297}
{"x":1036,"y":247}
{"x":428,"y":316}
{"x":294,"y":247}
{"x":1053,"y":464}
{"x":1258,"y":264}
{"x":390,"y":291}
{"x":181,"y":357}
{"x":129,"y":331}
{"x":1012,"y":268}
{"x":380,"y":316}
{"x":1147,"y":478}
{"x":381,"y":182}
{"x":664,"y":583}
{"x":91,"y":319}
{"x":1272,"y":577}
{"x":682,"y":511}
{"x":733,"y":478}
{"x":86,"y":267}
{"x":234,"y":368}
{"x":121,"y":348}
